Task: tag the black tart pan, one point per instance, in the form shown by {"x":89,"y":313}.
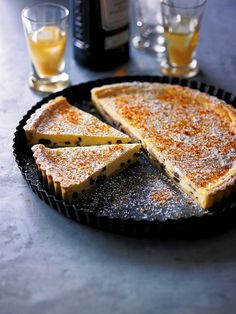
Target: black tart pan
{"x":122,"y":204}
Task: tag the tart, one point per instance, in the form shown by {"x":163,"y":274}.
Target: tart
{"x":72,"y":171}
{"x":188,"y":134}
{"x":58,"y":124}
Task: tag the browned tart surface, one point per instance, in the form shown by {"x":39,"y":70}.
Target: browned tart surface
{"x":57,"y":123}
{"x":71,"y":170}
{"x":191,"y":134}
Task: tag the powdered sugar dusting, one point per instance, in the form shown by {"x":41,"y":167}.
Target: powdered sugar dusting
{"x":59,"y":117}
{"x":74,"y":165}
{"x":190,"y":129}
{"x":141,"y":192}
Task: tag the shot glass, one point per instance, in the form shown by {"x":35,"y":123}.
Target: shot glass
{"x":149,"y":29}
{"x":45,"y":26}
{"x":181,"y":22}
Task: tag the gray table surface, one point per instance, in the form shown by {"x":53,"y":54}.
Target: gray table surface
{"x":49,"y":264}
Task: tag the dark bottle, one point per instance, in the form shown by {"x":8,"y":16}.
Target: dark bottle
{"x":101,"y":33}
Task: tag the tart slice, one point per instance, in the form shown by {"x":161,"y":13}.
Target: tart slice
{"x":57,"y":124}
{"x":188,"y":134}
{"x":71,"y":171}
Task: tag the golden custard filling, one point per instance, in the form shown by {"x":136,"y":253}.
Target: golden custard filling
{"x":72,"y":171}
{"x":58,"y":124}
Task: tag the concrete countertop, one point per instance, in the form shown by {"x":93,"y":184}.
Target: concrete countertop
{"x":49,"y":264}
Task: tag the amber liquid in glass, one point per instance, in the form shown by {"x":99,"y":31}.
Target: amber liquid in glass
{"x":181,"y":41}
{"x":181,"y":47}
{"x":47,"y":49}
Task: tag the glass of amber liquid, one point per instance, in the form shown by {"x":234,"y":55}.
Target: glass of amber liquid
{"x":181,"y":22}
{"x":45,"y":27}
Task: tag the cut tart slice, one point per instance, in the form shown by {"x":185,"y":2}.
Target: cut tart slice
{"x":71,"y":171}
{"x":57,"y":124}
{"x":188,"y":134}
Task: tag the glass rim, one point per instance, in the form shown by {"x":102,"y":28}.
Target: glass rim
{"x":164,"y":2}
{"x":49,"y":4}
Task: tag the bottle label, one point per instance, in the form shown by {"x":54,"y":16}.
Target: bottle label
{"x":114,"y":13}
{"x":116,"y":40}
